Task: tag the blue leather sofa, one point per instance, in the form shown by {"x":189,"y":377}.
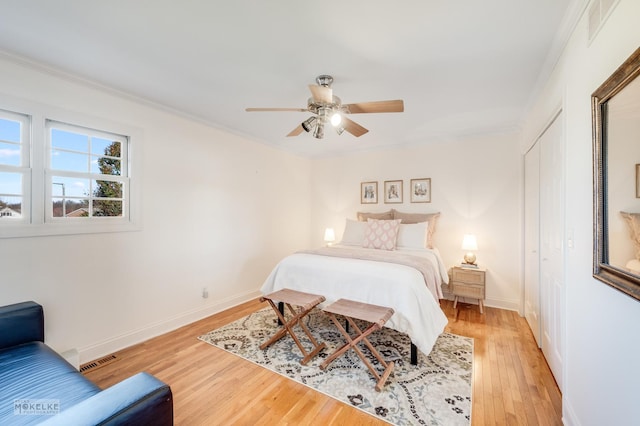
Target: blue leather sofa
{"x":38,"y":386}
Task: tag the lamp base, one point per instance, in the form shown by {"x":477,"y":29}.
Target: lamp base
{"x":470,"y":258}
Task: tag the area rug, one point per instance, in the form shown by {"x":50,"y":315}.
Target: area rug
{"x":436,"y":391}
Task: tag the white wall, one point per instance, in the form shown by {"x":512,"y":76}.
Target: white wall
{"x":214,"y":207}
{"x":602,"y":381}
{"x":475,"y":184}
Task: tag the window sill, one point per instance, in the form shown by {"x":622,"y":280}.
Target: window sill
{"x":51,"y":229}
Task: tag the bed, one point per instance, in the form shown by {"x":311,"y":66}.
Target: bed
{"x":407,"y":277}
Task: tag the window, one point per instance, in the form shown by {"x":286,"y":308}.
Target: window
{"x":65,"y":175}
{"x":14,"y":166}
{"x":87,"y":173}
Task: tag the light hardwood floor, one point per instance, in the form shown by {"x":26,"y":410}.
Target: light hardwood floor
{"x":512,"y":383}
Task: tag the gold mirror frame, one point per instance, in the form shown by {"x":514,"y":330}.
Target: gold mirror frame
{"x":618,"y":278}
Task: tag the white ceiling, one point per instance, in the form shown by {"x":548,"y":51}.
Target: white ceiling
{"x":462,"y":67}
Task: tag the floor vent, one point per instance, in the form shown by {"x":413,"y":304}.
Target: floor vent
{"x":97,"y":363}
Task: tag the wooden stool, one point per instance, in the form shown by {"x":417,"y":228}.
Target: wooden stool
{"x":306,"y":302}
{"x":377,"y":316}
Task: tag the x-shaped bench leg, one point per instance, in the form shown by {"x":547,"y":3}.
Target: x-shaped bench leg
{"x":287,"y":327}
{"x":352,"y":344}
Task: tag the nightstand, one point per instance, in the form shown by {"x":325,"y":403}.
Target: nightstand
{"x":468,"y":282}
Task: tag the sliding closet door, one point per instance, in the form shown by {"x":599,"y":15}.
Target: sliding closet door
{"x":552,"y":246}
{"x":532,"y":240}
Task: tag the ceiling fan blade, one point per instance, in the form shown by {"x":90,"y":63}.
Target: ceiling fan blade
{"x":276,"y":109}
{"x":296,"y":131}
{"x":321,"y":94}
{"x":373,"y":107}
{"x":352,"y":127}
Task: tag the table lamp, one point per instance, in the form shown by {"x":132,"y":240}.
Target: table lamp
{"x":469,"y":244}
{"x":329,"y":236}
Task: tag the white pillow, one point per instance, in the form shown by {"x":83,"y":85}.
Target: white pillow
{"x":353,"y":233}
{"x":413,"y":235}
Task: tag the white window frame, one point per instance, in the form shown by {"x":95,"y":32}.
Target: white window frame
{"x":24,"y":167}
{"x":37,"y":186}
{"x":122,"y":178}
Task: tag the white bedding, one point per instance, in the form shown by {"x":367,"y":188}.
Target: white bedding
{"x":403,"y":288}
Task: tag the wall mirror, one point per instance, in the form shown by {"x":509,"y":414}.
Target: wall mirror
{"x":616,"y":184}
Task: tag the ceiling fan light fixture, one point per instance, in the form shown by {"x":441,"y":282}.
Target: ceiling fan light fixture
{"x":318,"y":133}
{"x":309,"y":124}
{"x":336,"y":119}
{"x":328,"y":108}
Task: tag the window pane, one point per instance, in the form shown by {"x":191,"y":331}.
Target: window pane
{"x":10,"y":154}
{"x":87,"y":168}
{"x":106,"y":166}
{"x":107,"y":189}
{"x":69,"y":187}
{"x":10,"y":208}
{"x":69,"y":161}
{"x":68,"y":140}
{"x":9,"y":130}
{"x":10,"y":183}
{"x":106,"y":147}
{"x":63,"y":207}
{"x":107,"y":208}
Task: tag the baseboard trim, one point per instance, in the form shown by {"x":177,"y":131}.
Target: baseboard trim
{"x":114,"y":344}
{"x":509,"y":305}
{"x":568,"y":415}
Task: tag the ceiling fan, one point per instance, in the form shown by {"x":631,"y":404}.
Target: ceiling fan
{"x":328,"y":108}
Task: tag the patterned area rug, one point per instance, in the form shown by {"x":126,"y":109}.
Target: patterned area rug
{"x":437,"y":391}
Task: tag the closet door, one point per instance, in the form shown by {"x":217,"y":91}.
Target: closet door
{"x":552,"y":246}
{"x":532,"y":240}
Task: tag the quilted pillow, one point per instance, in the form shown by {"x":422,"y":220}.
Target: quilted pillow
{"x":381,"y":234}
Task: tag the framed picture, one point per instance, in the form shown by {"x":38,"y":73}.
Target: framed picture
{"x":392,"y":191}
{"x":637,"y":180}
{"x":421,"y":190}
{"x":369,"y":193}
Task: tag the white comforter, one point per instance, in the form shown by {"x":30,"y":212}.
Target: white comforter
{"x":417,"y":312}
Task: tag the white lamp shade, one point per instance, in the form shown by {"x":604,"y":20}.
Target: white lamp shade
{"x":329,"y":235}
{"x":469,"y":242}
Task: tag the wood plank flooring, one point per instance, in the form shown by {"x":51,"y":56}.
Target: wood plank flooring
{"x":512,"y":383}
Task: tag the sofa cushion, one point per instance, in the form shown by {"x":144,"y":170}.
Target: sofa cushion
{"x":140,"y":400}
{"x":21,"y":323}
{"x":33,"y":371}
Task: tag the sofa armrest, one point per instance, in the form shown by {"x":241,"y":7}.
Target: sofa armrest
{"x":21,"y":323}
{"x":139,"y":400}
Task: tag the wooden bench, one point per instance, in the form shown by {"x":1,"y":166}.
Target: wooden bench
{"x":377,"y":316}
{"x":306,"y":302}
